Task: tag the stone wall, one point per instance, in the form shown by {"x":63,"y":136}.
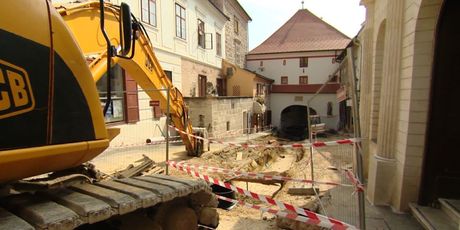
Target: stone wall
{"x":236,"y":44}
{"x":216,"y":112}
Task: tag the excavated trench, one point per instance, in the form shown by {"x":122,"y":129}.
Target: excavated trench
{"x":270,"y":160}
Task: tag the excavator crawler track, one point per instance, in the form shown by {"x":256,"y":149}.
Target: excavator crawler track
{"x":82,"y":204}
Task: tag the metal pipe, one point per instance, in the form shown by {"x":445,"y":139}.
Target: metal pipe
{"x":357,"y":134}
{"x":109,"y":58}
{"x":167,"y":128}
{"x":310,"y":138}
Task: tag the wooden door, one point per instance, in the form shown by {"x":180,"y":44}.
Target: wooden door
{"x":202,"y":85}
{"x":132,"y":100}
{"x":441,"y":169}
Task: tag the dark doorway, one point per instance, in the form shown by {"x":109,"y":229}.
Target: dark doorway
{"x":293,"y":123}
{"x":441,"y":169}
{"x":220,"y":87}
{"x":202,"y":85}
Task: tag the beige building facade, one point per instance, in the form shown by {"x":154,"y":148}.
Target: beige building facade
{"x":408,"y":120}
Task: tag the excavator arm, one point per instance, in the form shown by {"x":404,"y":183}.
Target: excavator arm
{"x":141,"y":63}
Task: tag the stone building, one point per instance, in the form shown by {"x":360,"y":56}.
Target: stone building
{"x":409,"y":116}
{"x":236,"y":31}
{"x":300,"y":58}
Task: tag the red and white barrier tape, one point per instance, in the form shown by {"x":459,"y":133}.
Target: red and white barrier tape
{"x":354,"y":180}
{"x":284,"y":214}
{"x":316,"y":144}
{"x":321,"y":220}
{"x":253,"y":175}
{"x":120,"y":146}
{"x":237,"y":131}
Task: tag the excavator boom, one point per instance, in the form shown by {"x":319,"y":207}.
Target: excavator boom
{"x":141,"y":63}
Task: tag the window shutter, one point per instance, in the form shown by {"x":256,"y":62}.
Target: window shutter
{"x":208,"y":41}
{"x":132,"y":101}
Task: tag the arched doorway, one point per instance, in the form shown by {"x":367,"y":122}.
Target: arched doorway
{"x":441,"y":168}
{"x":294,"y":123}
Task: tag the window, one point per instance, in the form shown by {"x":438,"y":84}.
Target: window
{"x":116,"y":108}
{"x":284,"y":62}
{"x":303,"y":80}
{"x":201,"y":40}
{"x":237,"y":49}
{"x":333,"y":79}
{"x":329,"y":108}
{"x":261,"y":63}
{"x":260,"y":89}
{"x":236,"y":90}
{"x":218,"y":44}
{"x":180,"y":21}
{"x":235,"y":24}
{"x":124,"y":106}
{"x":284,"y":80}
{"x":303,"y":62}
{"x":169,"y":74}
{"x":149,"y":12}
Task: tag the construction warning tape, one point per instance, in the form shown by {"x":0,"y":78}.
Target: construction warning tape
{"x":253,"y":175}
{"x":354,"y":180}
{"x":316,"y":144}
{"x":122,"y":145}
{"x":320,"y":220}
{"x":284,"y":214}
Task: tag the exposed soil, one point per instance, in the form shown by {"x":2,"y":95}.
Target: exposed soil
{"x":295,"y":163}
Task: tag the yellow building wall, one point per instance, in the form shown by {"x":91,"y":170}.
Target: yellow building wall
{"x":241,"y":80}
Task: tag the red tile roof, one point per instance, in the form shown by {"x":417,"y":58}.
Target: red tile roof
{"x":303,"y":32}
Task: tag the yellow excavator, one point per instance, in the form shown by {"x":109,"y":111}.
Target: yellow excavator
{"x":52,"y":122}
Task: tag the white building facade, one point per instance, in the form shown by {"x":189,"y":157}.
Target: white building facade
{"x":300,"y":65}
{"x":183,"y":34}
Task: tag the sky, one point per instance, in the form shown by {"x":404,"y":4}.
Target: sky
{"x":269,"y":15}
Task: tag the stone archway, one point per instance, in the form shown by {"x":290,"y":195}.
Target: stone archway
{"x":293,"y":122}
{"x":440,"y":170}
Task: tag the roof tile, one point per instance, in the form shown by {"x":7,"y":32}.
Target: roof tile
{"x":303,"y":32}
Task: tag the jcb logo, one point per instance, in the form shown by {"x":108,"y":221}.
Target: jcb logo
{"x":15,"y":92}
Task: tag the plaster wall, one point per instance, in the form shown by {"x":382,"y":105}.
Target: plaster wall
{"x":280,"y":101}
